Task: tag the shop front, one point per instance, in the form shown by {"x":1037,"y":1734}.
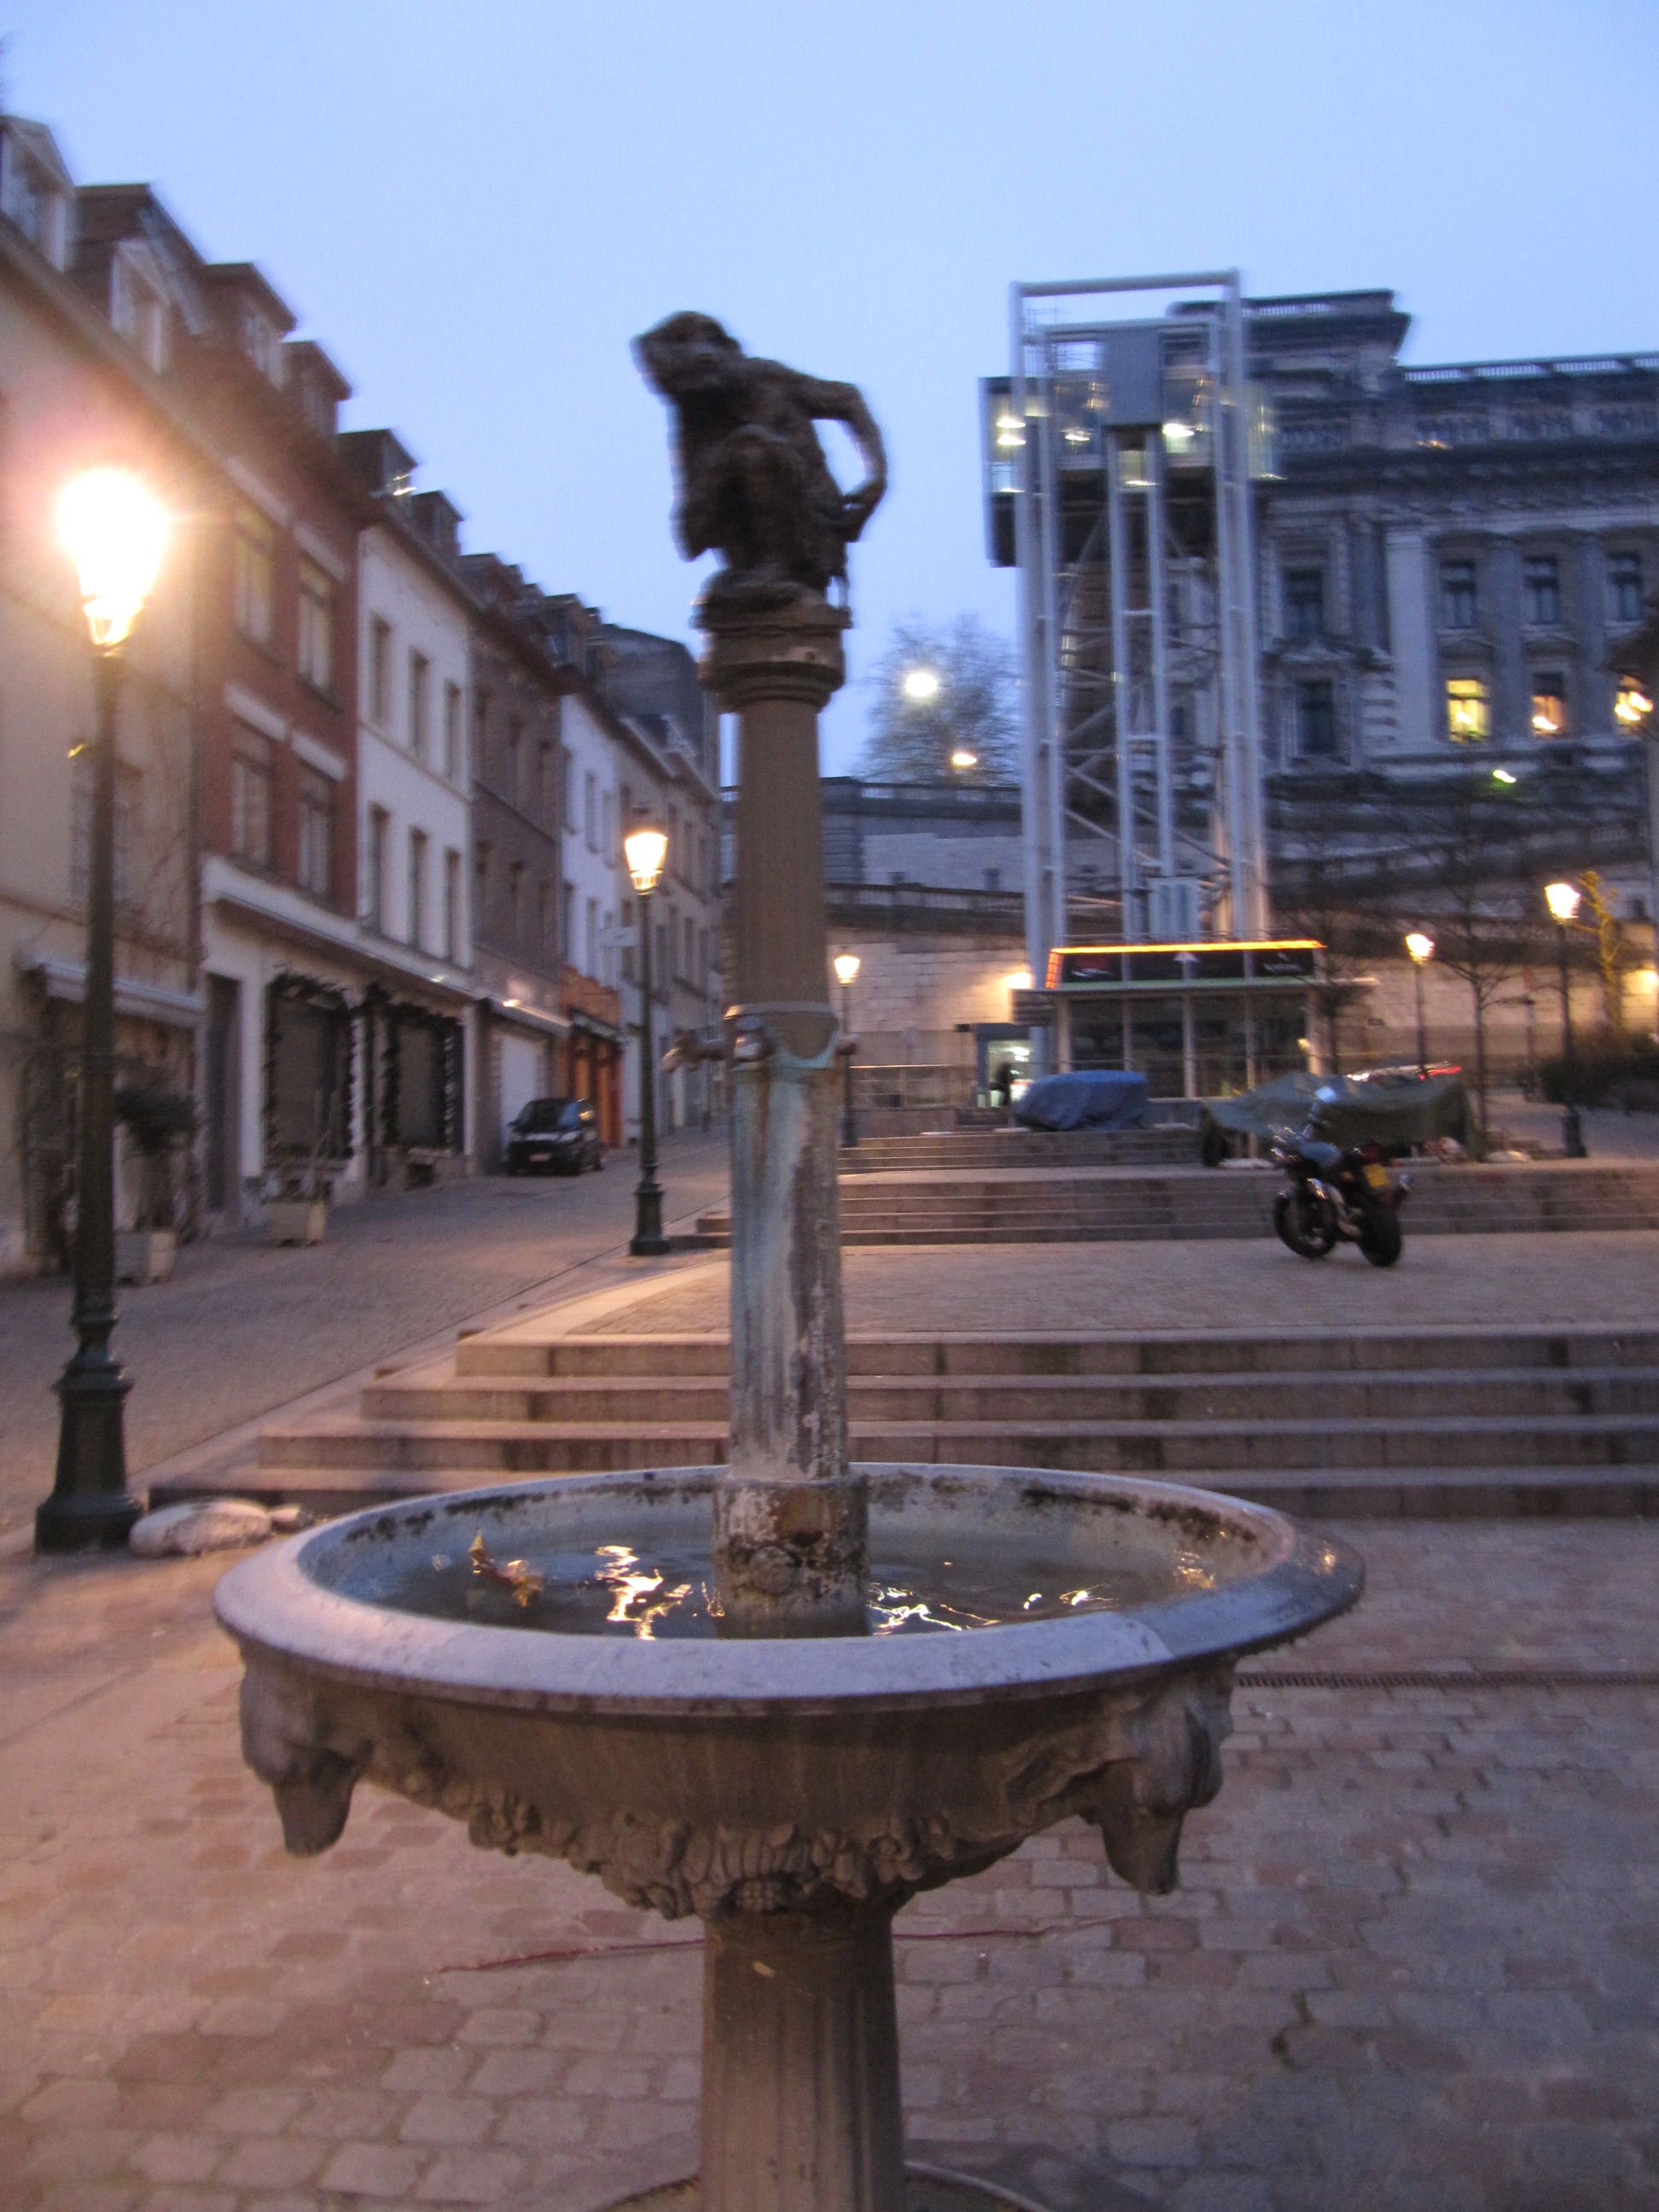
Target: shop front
{"x":593,"y":1049}
{"x":1201,"y":1020}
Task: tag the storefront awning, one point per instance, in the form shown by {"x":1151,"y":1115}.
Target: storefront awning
{"x":139,"y":1001}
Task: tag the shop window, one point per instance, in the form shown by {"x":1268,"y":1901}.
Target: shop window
{"x":316,"y":653}
{"x":1468,"y":710}
{"x":1626,"y":587}
{"x":1316,"y":720}
{"x":1549,"y":704}
{"x":1304,"y":606}
{"x":1458,"y":606}
{"x":254,"y":564}
{"x":316,"y":833}
{"x":1540,"y":590}
{"x":253,"y":784}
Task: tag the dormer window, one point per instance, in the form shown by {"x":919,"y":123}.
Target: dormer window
{"x":35,"y":189}
{"x":138,"y":310}
{"x":262,"y":342}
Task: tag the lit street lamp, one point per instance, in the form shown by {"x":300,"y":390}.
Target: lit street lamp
{"x":963,"y":758}
{"x":847,"y":966}
{"x":114,"y":532}
{"x":1562,"y":900}
{"x":1421,"y":949}
{"x":646,"y":848}
{"x":919,"y":685}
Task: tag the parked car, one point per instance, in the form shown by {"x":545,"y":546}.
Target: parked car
{"x":554,"y":1136}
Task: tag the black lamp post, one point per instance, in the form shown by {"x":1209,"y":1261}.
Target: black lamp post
{"x":847,"y":966}
{"x":646,"y":848}
{"x":1421,"y":949}
{"x":1563,"y":903}
{"x":115,"y":532}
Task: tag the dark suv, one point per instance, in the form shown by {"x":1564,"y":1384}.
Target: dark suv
{"x":554,"y":1136}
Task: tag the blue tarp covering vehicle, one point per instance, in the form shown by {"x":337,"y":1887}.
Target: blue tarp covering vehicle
{"x":1093,"y":1098}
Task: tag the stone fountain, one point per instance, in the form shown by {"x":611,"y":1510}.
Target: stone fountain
{"x":788,"y":1694}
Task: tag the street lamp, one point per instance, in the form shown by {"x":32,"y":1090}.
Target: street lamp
{"x":919,"y":685}
{"x":847,"y":966}
{"x":1562,"y":900}
{"x":1421,"y":949}
{"x":963,"y":758}
{"x":646,"y":848}
{"x":114,"y":531}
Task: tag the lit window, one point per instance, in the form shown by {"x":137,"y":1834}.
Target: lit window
{"x":316,"y":654}
{"x":1549,"y":704}
{"x":1304,"y":606}
{"x":1468,"y":710}
{"x":255,"y":568}
{"x":316,"y":833}
{"x":1315,"y":721}
{"x":252,"y":778}
{"x":1631,"y":703}
{"x":1625,"y":586}
{"x":1457,"y":599}
{"x":1540,"y":590}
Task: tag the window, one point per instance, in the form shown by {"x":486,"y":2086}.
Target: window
{"x":1632,"y":704}
{"x":1625,"y":586}
{"x":994,"y":880}
{"x":630,"y":933}
{"x":1315,"y":721}
{"x":1540,"y":590}
{"x":254,"y":560}
{"x":452,"y":731}
{"x":316,"y":833}
{"x":608,"y":948}
{"x":1457,"y":600}
{"x":568,"y":923}
{"x":482,"y":864}
{"x":514,"y":763}
{"x":546,"y":948}
{"x":252,"y":782}
{"x":129,"y":815}
{"x":316,"y":654}
{"x":567,"y":788}
{"x":379,"y":670}
{"x":516,"y":901}
{"x":480,"y":724}
{"x":379,"y":832}
{"x":608,"y":825}
{"x":417,"y":888}
{"x":1468,"y":710}
{"x":591,"y":814}
{"x":1304,"y":606}
{"x":420,"y":675}
{"x":545,"y":793}
{"x":591,"y":964}
{"x":1549,"y":703}
{"x":452,"y":904}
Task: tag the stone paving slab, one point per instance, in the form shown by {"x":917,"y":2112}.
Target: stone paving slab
{"x":1462,"y":1281}
{"x":1413,"y":1965}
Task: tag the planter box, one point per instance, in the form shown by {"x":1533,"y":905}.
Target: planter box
{"x":297,"y":1220}
{"x":144,"y":1255}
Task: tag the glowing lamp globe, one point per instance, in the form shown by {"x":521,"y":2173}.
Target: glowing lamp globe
{"x":1562,"y":900}
{"x":115,"y":532}
{"x":919,"y":684}
{"x":1421,"y":948}
{"x":646,"y":848}
{"x":847,"y":966}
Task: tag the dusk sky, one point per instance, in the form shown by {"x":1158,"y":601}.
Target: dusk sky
{"x":474,"y":209}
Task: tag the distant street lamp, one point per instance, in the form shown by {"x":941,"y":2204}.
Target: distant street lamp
{"x":847,"y":966}
{"x":965,"y":757}
{"x":1562,"y":900}
{"x":1421,"y":949}
{"x":646,"y":848}
{"x":114,"y":531}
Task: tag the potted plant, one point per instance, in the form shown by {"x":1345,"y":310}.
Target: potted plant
{"x":298,"y":1209}
{"x":156,"y":1121}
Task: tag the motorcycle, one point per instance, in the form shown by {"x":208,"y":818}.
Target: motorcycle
{"x":1336,"y":1195}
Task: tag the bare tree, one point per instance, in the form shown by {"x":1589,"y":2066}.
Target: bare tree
{"x":939,"y":692}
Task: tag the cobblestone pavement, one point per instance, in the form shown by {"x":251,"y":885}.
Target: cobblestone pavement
{"x":1584,"y":1275}
{"x":244,"y":1326}
{"x":1411,"y":1968}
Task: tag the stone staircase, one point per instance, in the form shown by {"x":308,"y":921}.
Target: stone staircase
{"x":1400,"y":1421}
{"x":1079,"y":1205}
{"x":1173,"y":1145}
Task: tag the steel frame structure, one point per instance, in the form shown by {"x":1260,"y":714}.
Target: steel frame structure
{"x":1134,"y":543}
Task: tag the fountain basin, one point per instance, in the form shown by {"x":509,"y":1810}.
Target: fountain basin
{"x":702,"y":1775}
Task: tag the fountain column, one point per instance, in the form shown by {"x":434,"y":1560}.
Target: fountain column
{"x":789,"y":1519}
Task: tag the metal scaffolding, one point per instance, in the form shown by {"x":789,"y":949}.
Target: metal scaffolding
{"x":1126,"y":452}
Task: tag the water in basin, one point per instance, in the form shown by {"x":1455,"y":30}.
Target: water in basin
{"x":664,"y":1587}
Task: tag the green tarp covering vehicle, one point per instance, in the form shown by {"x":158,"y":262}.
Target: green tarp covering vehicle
{"x":1397,"y":1110}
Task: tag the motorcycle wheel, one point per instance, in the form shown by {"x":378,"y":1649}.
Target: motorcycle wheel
{"x":1300,"y":1222}
{"x":1382,"y":1240}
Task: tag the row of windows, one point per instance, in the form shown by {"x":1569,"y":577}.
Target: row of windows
{"x":254,"y":589}
{"x":417,"y":700}
{"x":1460,"y":596}
{"x":377,"y":888}
{"x":1467,"y":711}
{"x":253,"y":812}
